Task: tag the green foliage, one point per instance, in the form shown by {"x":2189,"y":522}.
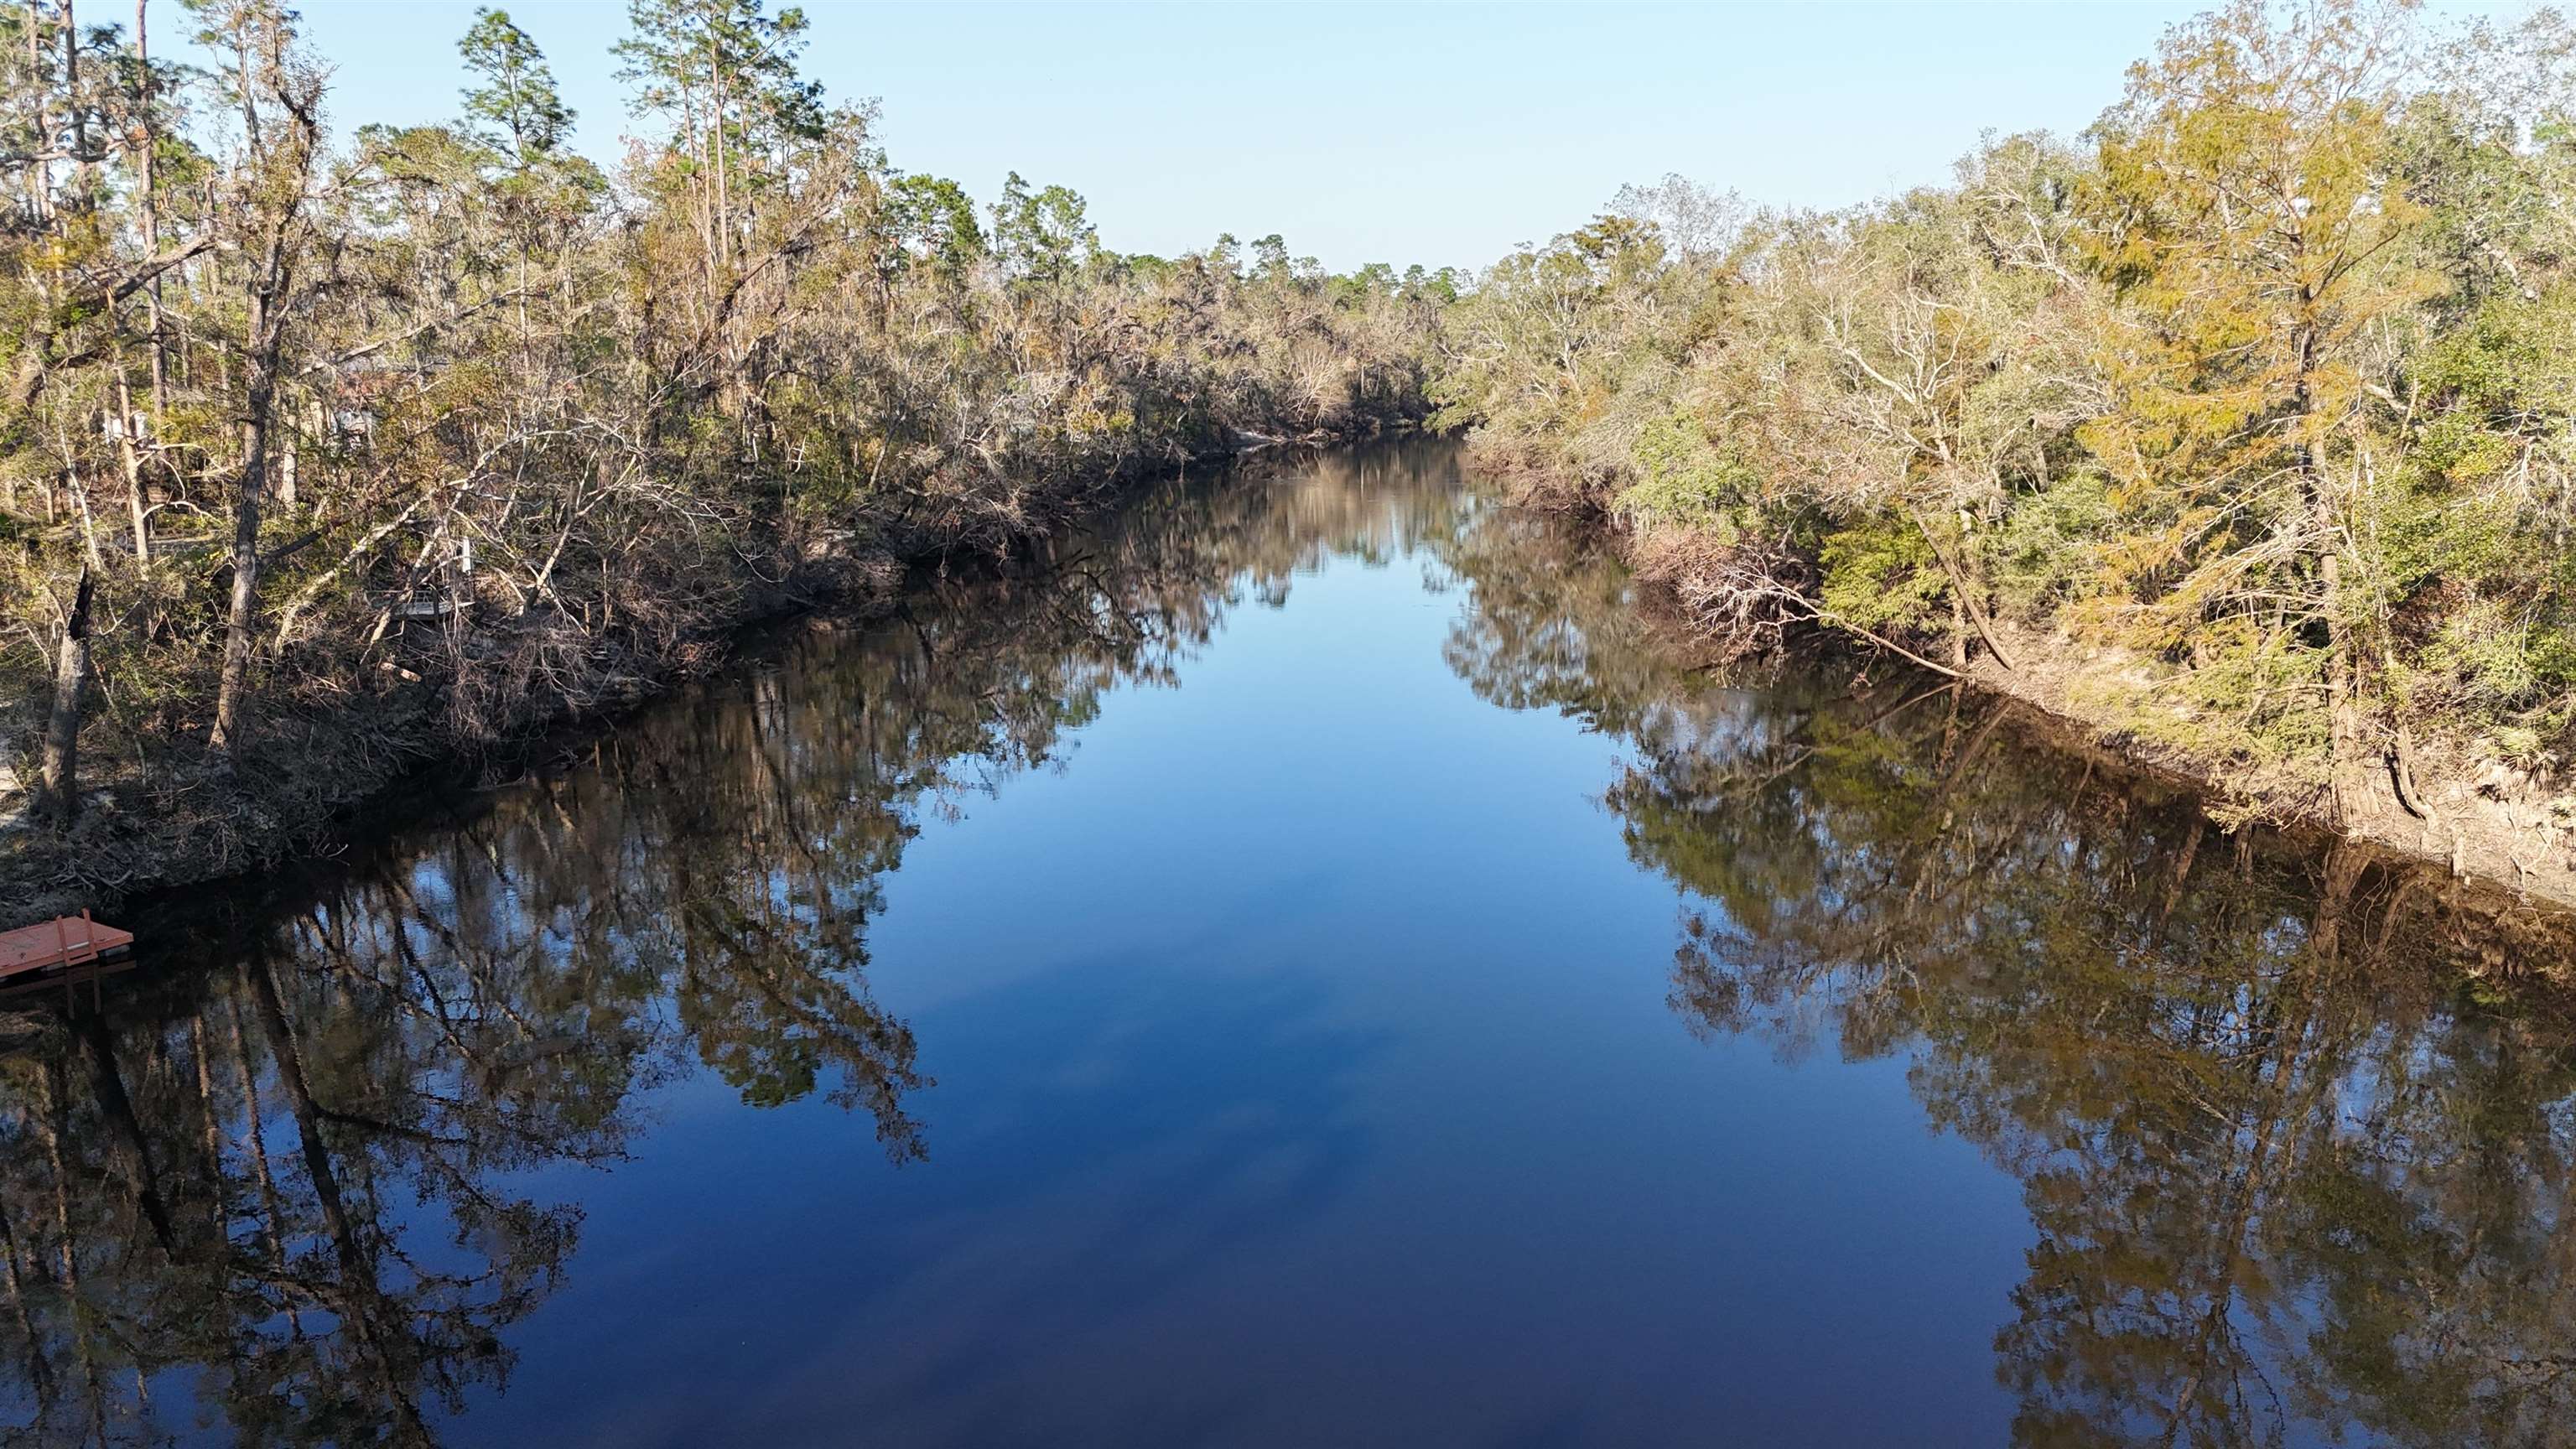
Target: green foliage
{"x":1688,"y":479}
{"x":1880,"y":572}
{"x":515,"y":106}
{"x":727,"y":57}
{"x":932,"y":220}
{"x":1564,"y":355}
{"x":1043,"y":236}
{"x":2265,"y":395}
{"x":2044,"y":553}
{"x":2487,"y":650}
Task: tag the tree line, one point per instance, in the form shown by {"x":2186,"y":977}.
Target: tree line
{"x":322,"y":452}
{"x":2240,"y":423}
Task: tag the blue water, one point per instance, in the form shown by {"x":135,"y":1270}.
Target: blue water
{"x":1304,"y":1076}
{"x":1288,"y":976}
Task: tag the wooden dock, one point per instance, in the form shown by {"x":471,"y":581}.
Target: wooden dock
{"x":63,"y":942}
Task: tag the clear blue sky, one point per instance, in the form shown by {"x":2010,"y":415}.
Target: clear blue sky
{"x":1438,"y":133}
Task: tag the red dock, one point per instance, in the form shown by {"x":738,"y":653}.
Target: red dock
{"x":64,"y":941}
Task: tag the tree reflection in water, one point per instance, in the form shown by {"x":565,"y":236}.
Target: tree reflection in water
{"x":2294,"y":1136}
{"x":284,"y":1192}
{"x":2295,"y":1132}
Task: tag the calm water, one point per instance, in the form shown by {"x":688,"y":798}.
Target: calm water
{"x":1303,"y":965}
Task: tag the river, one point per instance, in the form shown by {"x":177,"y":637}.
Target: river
{"x":1302,"y":962}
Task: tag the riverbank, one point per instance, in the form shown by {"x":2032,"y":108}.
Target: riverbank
{"x":2478,"y":822}
{"x":413,"y":447}
{"x":2494,"y":830}
{"x":196,"y":818}
{"x":199,"y":822}
{"x":2249,"y":465}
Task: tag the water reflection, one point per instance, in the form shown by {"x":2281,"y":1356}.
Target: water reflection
{"x":2293,"y":1132}
{"x":286,"y":1192}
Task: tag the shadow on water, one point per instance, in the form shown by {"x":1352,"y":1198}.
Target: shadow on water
{"x":2294,"y":1132}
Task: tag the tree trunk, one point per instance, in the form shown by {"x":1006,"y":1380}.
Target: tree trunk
{"x":2348,"y":773}
{"x":61,"y":802}
{"x":146,"y":217}
{"x":265,"y":333}
{"x":87,"y":169}
{"x":284,"y":173}
{"x":136,"y":503}
{"x":2347,"y":777}
{"x":1962,"y":592}
{"x":243,"y":616}
{"x":2343,"y":869}
{"x":126,"y":1137}
{"x":40,"y":198}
